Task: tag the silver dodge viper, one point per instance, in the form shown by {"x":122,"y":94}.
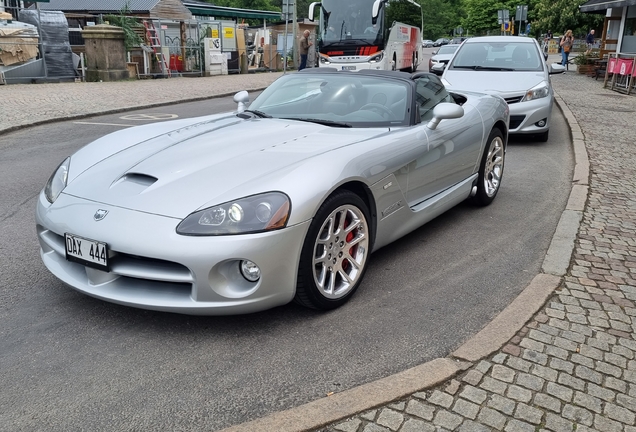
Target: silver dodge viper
{"x":282,"y":200}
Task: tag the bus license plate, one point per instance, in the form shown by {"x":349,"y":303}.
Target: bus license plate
{"x":88,"y":252}
{"x":348,"y":68}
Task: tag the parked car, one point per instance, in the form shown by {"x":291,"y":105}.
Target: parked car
{"x":243,"y":211}
{"x":458,"y":40}
{"x":512,"y":67}
{"x":441,"y":56}
{"x":427,"y":43}
{"x":440,"y":42}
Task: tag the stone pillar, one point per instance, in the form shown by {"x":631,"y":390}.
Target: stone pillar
{"x":105,"y":53}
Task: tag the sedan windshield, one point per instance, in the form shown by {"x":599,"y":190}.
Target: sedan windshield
{"x":498,"y":56}
{"x":447,"y":49}
{"x":336,"y":99}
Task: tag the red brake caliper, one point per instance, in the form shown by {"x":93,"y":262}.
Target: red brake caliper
{"x":348,"y":239}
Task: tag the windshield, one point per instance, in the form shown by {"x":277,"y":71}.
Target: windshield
{"x":350,"y":20}
{"x":347,"y":98}
{"x":447,"y":49}
{"x":503,"y":56}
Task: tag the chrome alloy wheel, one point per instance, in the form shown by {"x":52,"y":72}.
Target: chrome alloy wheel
{"x":340,"y":251}
{"x":494,"y":166}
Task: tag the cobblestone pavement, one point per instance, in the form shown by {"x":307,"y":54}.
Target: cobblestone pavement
{"x":573,"y":367}
{"x":26,"y":104}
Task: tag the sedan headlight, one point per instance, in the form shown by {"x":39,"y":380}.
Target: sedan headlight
{"x":253,"y":214}
{"x":538,"y":92}
{"x":57,"y":181}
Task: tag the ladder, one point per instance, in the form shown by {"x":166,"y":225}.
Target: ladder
{"x":155,"y":43}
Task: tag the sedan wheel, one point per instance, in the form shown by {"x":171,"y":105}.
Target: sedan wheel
{"x":491,"y":169}
{"x":335,"y":253}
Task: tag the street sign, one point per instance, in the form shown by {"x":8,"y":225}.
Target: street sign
{"x":287,"y":9}
{"x":522,"y":13}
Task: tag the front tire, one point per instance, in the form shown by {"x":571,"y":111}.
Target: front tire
{"x":491,"y":169}
{"x":543,"y":137}
{"x":334,"y":257}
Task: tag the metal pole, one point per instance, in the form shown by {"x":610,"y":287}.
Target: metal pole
{"x":285,"y":35}
{"x":295,"y":43}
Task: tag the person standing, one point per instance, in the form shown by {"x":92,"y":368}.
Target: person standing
{"x":566,"y":46}
{"x":589,"y":41}
{"x":304,"y":49}
{"x":546,"y":41}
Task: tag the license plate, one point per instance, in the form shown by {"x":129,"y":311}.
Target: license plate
{"x":88,"y":252}
{"x":348,"y":68}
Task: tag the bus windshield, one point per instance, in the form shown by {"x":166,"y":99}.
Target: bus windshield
{"x":349,"y":20}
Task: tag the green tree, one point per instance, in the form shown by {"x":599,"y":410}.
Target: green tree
{"x":128,"y":25}
{"x":248,"y":4}
{"x":562,"y":15}
{"x":440,"y":17}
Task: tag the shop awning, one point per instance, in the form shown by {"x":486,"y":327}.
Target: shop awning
{"x":602,"y":5}
{"x":206,"y":9}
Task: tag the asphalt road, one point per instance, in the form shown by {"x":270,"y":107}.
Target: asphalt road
{"x":71,"y":362}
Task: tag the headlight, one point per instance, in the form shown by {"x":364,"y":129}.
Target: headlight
{"x":253,"y":214}
{"x":377,"y":57}
{"x":57,"y":181}
{"x":538,"y":92}
{"x":324,"y":59}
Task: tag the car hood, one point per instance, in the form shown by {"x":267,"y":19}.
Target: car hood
{"x":496,"y":82}
{"x":441,"y":57}
{"x":204,"y":164}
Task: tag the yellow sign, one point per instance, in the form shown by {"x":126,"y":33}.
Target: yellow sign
{"x":228,"y":32}
{"x":215,"y":33}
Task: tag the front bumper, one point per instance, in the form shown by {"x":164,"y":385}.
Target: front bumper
{"x":153,"y":267}
{"x":353,"y":66}
{"x":525,"y":115}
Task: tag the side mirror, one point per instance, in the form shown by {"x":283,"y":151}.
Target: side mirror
{"x":434,"y":52}
{"x":312,"y":8}
{"x":242,"y":98}
{"x":377,"y":4}
{"x":445,"y":111}
{"x":438,"y":68}
{"x":555,"y":68}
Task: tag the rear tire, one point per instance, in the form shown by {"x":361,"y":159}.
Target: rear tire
{"x":335,"y":254}
{"x":491,"y":169}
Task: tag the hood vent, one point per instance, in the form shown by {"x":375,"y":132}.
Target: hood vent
{"x":133,"y":184}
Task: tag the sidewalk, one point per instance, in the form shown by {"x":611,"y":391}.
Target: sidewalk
{"x":29,"y":104}
{"x":571,"y":367}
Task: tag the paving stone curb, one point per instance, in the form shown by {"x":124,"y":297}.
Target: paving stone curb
{"x":493,"y":338}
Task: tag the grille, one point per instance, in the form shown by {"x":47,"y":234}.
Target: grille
{"x":515,"y":99}
{"x":516,"y":120}
{"x":132,"y":266}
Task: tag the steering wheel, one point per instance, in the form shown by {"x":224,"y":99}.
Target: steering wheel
{"x":373,"y":106}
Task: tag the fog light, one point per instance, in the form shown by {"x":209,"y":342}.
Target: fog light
{"x":250,"y":271}
{"x":541,"y":123}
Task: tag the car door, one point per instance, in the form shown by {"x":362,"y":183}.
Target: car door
{"x":452,"y":148}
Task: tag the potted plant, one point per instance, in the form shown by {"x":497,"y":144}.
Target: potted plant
{"x":584,"y":63}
